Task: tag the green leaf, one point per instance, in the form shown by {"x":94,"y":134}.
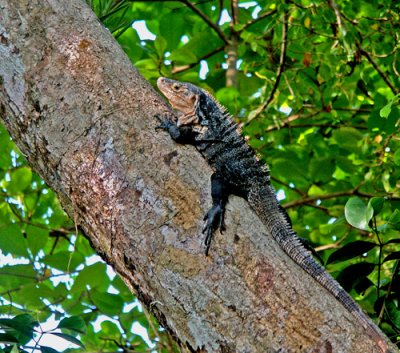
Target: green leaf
{"x":23,"y":325}
{"x":297,"y":175}
{"x":345,"y":164}
{"x":14,"y":349}
{"x":109,"y":328}
{"x":392,"y":307}
{"x":395,"y":217}
{"x":385,"y":111}
{"x":6,"y":148}
{"x":12,"y":241}
{"x":129,"y":42}
{"x":68,"y":338}
{"x":73,"y":323}
{"x":357,"y":213}
{"x":354,"y":275}
{"x":36,"y":238}
{"x":28,"y":294}
{"x":8,"y":338}
{"x":322,"y":168}
{"x":393,"y":256}
{"x":161,"y":45}
{"x":64,"y":260}
{"x":124,"y":291}
{"x":348,"y":138}
{"x":183,"y":56}
{"x":171,"y":30}
{"x":351,"y":250}
{"x":46,"y":349}
{"x":110,"y":304}
{"x":377,"y":204}
{"x":20,"y":179}
{"x":92,"y":276}
{"x":362,"y":284}
{"x":396,"y":157}
{"x":13,"y":276}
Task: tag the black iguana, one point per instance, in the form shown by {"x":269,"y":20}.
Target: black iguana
{"x":204,"y":123}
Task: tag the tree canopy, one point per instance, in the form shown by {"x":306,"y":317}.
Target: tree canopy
{"x":314,"y":85}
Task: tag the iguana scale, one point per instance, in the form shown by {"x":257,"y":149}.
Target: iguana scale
{"x":204,"y":123}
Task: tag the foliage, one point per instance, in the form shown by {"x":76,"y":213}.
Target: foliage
{"x":314,"y":84}
{"x":23,"y":328}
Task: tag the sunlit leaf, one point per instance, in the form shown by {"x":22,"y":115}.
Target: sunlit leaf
{"x":110,"y":304}
{"x":12,"y":241}
{"x":73,"y":323}
{"x":357,"y":213}
{"x":69,"y":338}
{"x":20,"y":180}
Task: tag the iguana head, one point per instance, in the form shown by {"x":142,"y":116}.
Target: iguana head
{"x":184,"y":98}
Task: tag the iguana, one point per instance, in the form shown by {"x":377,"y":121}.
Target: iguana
{"x":201,"y":121}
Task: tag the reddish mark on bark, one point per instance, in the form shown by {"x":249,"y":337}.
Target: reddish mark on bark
{"x":84,"y":44}
{"x":264,"y":277}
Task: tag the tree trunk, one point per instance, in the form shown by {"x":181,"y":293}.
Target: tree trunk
{"x":84,"y":119}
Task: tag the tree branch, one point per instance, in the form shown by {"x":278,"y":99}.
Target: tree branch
{"x":256,"y":20}
{"x":333,"y":126}
{"x":221,"y":8}
{"x":207,"y":20}
{"x":313,"y":199}
{"x":288,"y":120}
{"x":339,"y":21}
{"x":279,"y":72}
{"x":232,"y":48}
{"x":385,"y":78}
{"x":200,"y":13}
{"x":234,"y":12}
{"x":183,"y":68}
{"x":278,"y":181}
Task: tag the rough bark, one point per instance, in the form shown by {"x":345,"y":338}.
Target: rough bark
{"x":84,"y":119}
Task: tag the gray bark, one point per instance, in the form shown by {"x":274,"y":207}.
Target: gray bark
{"x":84,"y":118}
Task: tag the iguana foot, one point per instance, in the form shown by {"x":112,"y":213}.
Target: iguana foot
{"x":215,"y":219}
{"x":183,"y":134}
{"x":310,"y":248}
{"x":165,"y":122}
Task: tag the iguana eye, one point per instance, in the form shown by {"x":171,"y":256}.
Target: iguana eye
{"x":176,"y":86}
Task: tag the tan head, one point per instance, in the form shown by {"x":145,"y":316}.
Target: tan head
{"x":183,"y":97}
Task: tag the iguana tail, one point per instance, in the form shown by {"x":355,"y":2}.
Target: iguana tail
{"x":266,"y":206}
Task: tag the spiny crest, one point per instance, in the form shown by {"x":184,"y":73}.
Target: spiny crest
{"x":236,"y":128}
{"x":222,"y":109}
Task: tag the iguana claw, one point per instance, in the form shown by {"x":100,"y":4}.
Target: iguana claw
{"x":215,"y":219}
{"x":165,"y":122}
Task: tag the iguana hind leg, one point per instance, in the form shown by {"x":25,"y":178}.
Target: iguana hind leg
{"x":215,"y":216}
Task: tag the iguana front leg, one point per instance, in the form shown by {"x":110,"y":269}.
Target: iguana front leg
{"x":215,"y":216}
{"x":180,"y":134}
{"x":219,"y":191}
